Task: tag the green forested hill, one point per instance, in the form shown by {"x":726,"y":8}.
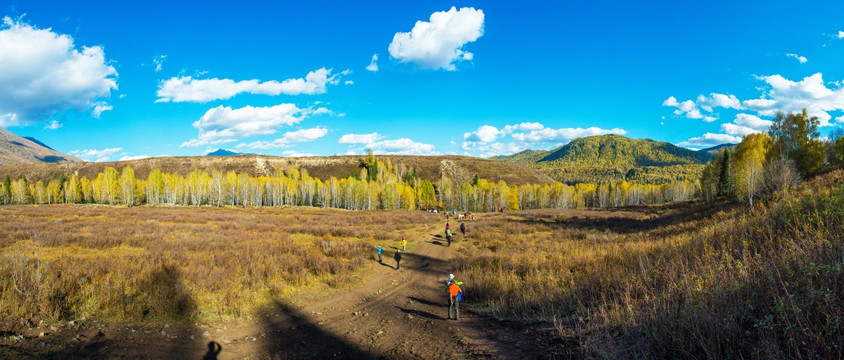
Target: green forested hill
{"x":613,"y":158}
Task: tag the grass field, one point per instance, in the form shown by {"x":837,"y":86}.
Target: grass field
{"x":179,"y":264}
{"x":685,"y":280}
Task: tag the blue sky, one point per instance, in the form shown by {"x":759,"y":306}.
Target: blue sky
{"x":110,"y":81}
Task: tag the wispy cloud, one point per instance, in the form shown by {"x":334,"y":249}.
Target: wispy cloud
{"x":801,"y":59}
{"x":289,"y":138}
{"x":188,"y":89}
{"x":96,"y":155}
{"x":159,"y":62}
{"x":360,"y":138}
{"x":710,"y":139}
{"x":373,"y":65}
{"x":223,"y":124}
{"x":53,"y":125}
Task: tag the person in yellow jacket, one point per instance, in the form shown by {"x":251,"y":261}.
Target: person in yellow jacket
{"x":403,"y":244}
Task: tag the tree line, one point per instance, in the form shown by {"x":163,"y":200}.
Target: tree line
{"x":380,"y":185}
{"x":772,"y":161}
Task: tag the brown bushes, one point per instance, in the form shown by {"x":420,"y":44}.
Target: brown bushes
{"x":176,"y":264}
{"x":687,"y":282}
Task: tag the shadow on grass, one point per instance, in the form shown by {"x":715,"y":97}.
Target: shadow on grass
{"x":300,"y":337}
{"x":666,"y":215}
{"x":163,"y":297}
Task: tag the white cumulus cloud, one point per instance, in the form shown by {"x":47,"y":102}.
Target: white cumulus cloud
{"x":379,"y":145}
{"x":188,"y":89}
{"x":692,"y":109}
{"x":289,"y":138}
{"x":801,"y":59}
{"x":526,"y":126}
{"x":403,"y":146}
{"x":483,"y":134}
{"x":810,"y":93}
{"x":840,"y":34}
{"x":96,"y":155}
{"x":43,"y":73}
{"x":438,"y":42}
{"x":714,"y":100}
{"x":495,"y":148}
{"x":373,"y":65}
{"x":223,"y":124}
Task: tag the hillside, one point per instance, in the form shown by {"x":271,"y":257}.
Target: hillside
{"x":459,"y":169}
{"x":717,"y":149}
{"x":612,"y":158}
{"x":16,"y":150}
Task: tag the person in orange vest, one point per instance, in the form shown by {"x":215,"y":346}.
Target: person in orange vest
{"x":454,"y":293}
{"x":403,"y":244}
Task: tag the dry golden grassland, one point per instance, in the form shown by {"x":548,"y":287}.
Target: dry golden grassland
{"x":684,"y":280}
{"x":163,"y":264}
{"x":688,"y":280}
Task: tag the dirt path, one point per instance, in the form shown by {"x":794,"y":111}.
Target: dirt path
{"x":392,"y":314}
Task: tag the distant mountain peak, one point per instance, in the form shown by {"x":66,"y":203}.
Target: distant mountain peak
{"x":17,"y":150}
{"x":222,"y":152}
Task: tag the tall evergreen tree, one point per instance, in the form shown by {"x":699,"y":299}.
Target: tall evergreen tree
{"x":724,"y":174}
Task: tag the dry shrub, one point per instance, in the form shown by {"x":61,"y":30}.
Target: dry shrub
{"x":173,"y":264}
{"x":690,"y":281}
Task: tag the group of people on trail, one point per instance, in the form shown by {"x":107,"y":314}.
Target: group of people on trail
{"x":448,"y":234}
{"x":453,"y":288}
{"x":397,"y":257}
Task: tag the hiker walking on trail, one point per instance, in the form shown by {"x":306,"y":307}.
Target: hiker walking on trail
{"x":448,"y":236}
{"x":454,"y":293}
{"x":379,"y":250}
{"x":403,"y":244}
{"x":463,"y":228}
{"x":398,"y":259}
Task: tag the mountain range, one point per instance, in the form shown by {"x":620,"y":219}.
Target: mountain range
{"x":16,"y":150}
{"x":593,"y":159}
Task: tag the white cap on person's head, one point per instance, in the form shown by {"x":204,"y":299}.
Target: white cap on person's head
{"x":450,"y":276}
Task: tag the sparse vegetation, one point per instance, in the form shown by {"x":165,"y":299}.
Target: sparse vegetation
{"x":174,"y":264}
{"x":687,"y":280}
